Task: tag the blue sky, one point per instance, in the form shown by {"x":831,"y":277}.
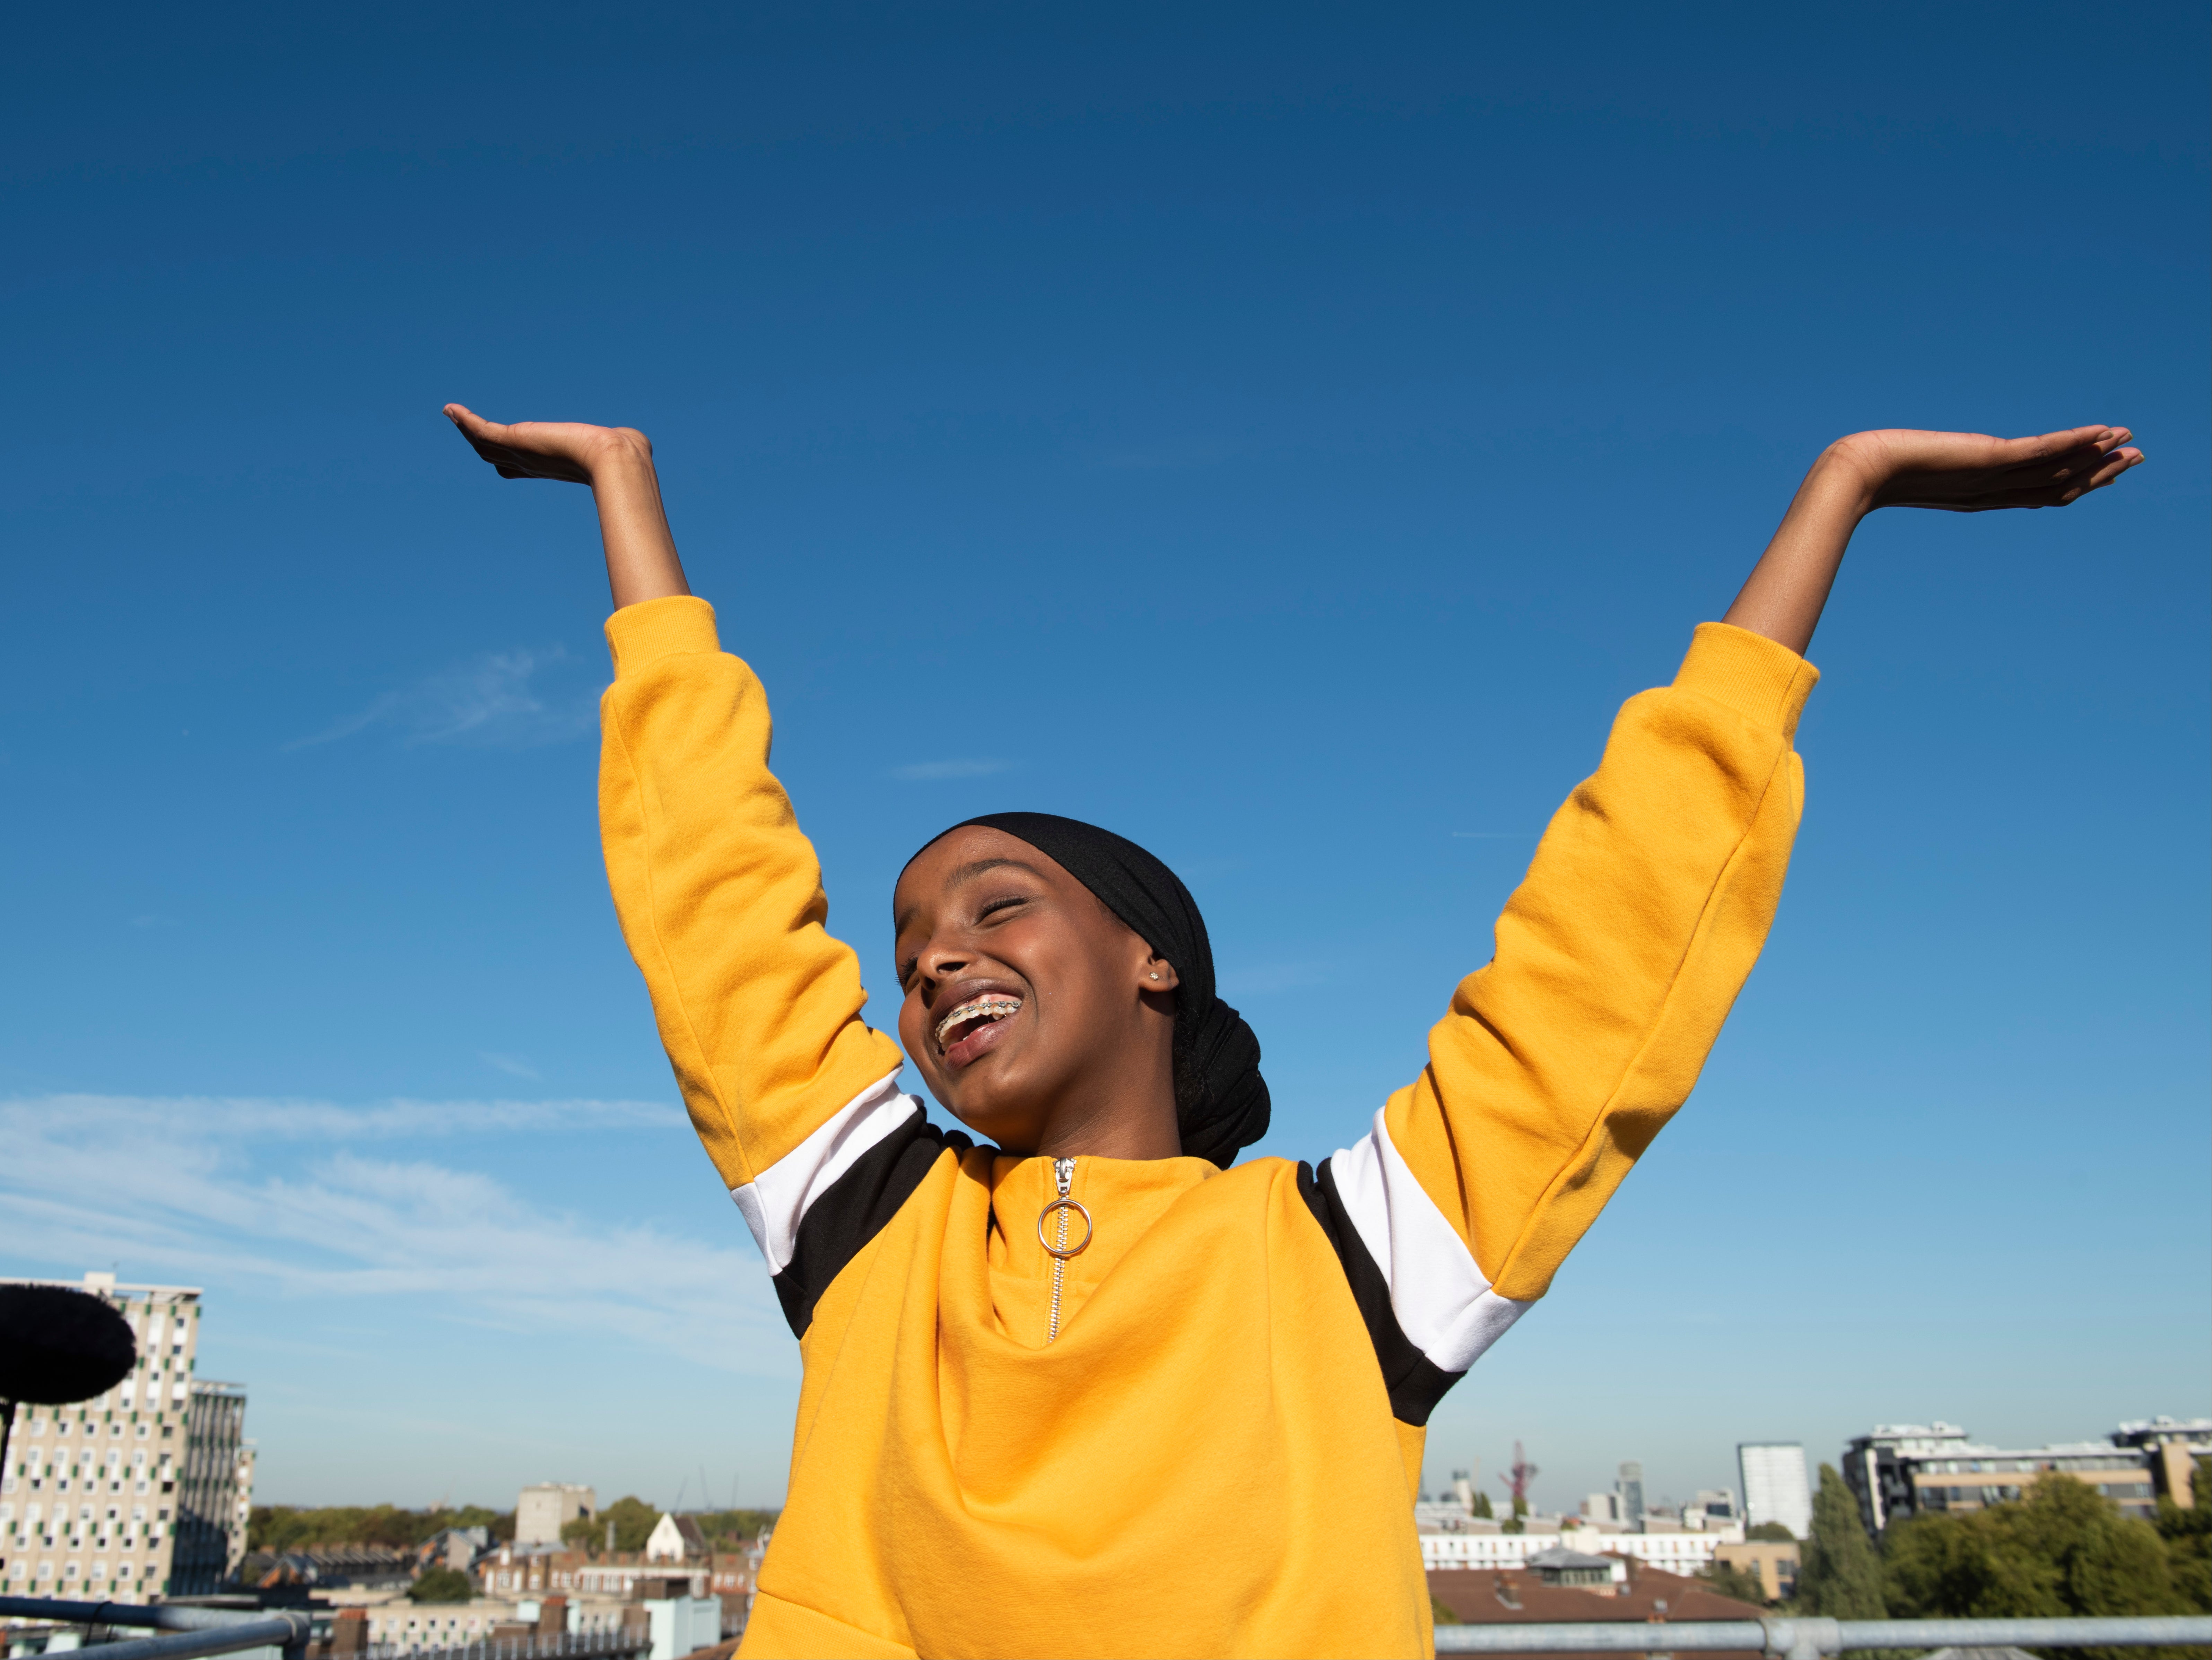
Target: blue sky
{"x":1285,"y":435}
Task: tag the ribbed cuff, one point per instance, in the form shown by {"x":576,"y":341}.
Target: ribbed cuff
{"x":638,"y":635}
{"x":1760,"y":679}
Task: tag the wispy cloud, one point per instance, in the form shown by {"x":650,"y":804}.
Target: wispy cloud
{"x":500,"y":700}
{"x":508,"y":1064}
{"x":931,"y":772}
{"x":172,"y":1183}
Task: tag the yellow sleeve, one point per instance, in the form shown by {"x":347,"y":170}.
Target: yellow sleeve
{"x":721,"y":896}
{"x":1618,"y":958}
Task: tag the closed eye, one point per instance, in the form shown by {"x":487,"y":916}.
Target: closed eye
{"x":995,"y":905}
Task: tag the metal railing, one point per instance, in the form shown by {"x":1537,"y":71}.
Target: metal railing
{"x":1817,"y":1638}
{"x":198,"y":1631}
{"x":602,"y":1645}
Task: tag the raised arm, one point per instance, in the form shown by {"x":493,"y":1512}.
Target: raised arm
{"x":719,"y":893}
{"x":1620,"y":955}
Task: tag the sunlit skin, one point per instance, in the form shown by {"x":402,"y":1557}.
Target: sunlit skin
{"x":1084,"y":1065}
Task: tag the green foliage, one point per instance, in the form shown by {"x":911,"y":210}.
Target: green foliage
{"x":2188,"y":1536}
{"x":1513,"y":1524}
{"x":288,"y":1527}
{"x":1481,"y":1505}
{"x":1772,"y":1531}
{"x":1439,"y":1615}
{"x":1838,"y":1574}
{"x":2062,"y":1549}
{"x":1520,"y":1507}
{"x":634,"y":1521}
{"x":441,"y":1585}
{"x":1729,"y":1580}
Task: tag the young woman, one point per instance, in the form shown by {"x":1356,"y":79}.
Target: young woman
{"x":1084,"y":1386}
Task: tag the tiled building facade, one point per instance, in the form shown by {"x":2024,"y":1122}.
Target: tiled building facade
{"x":137,"y":1493}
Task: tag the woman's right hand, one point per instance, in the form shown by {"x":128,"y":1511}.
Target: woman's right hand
{"x":570,"y":451}
{"x":616,"y":462}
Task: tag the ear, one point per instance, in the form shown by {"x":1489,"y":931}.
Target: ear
{"x":1157,"y":973}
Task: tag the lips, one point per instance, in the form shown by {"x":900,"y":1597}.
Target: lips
{"x":974,"y":1026}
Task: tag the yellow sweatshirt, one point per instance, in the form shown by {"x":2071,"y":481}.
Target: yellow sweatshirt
{"x":1218,"y":1454}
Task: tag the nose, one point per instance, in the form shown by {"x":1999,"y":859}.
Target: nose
{"x":942,"y":962}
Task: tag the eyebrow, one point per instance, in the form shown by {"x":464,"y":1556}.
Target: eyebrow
{"x":967,"y":872}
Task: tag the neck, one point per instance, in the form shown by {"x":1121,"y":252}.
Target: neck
{"x":1147,"y":1133}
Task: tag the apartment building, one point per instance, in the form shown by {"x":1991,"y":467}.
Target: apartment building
{"x":1898,"y":1470}
{"x":140,"y":1492}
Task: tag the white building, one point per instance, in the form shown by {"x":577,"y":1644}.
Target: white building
{"x":1775,"y":1489}
{"x":1675,"y":1553}
{"x":540,"y":1512}
{"x":93,"y":1496}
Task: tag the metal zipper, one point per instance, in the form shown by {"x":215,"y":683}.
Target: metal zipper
{"x":1063,"y":1173}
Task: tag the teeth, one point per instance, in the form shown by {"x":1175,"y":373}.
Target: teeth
{"x":993,"y":1007}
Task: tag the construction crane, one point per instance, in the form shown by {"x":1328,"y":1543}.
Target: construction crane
{"x":1518,"y":1478}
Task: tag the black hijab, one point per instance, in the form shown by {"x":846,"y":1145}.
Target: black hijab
{"x":1221,"y":1100}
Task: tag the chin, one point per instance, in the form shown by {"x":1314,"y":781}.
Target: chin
{"x":1011,"y":1123}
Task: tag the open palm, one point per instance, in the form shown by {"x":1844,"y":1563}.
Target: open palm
{"x":538,"y":449}
{"x":1972,"y":472}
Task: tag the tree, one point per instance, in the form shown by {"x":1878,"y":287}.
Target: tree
{"x":441,"y":1586}
{"x":2061,"y":1549}
{"x":288,"y":1527}
{"x":1481,"y":1505}
{"x":1838,"y":1574}
{"x":1726,"y":1580}
{"x":634,"y":1521}
{"x":2188,"y":1536}
{"x":1774,"y":1530}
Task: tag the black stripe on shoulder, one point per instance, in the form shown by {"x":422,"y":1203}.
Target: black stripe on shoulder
{"x":852,"y":1210}
{"x":1415,"y":1382}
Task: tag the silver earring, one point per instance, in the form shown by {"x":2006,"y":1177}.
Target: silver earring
{"x":1156,"y":976}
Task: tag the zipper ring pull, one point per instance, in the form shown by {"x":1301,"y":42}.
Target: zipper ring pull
{"x":1061,"y":1252}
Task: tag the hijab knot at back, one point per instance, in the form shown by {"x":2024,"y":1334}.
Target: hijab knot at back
{"x":1221,"y":1099}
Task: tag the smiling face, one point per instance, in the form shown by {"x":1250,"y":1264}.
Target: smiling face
{"x":1036,"y":1015}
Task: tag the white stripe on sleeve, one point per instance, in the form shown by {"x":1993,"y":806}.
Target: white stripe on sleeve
{"x":776,"y":1200}
{"x":1444,"y":1302}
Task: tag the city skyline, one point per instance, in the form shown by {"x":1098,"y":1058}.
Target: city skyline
{"x":1310,"y":426}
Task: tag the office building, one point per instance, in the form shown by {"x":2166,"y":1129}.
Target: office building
{"x":1775,"y":1487}
{"x":1898,"y":1470}
{"x":1630,"y":1486}
{"x":210,"y":1543}
{"x":2174,"y":1446}
{"x":141,"y":1492}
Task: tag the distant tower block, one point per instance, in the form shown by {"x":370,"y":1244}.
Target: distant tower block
{"x":540,"y":1512}
{"x":1775,"y":1489}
